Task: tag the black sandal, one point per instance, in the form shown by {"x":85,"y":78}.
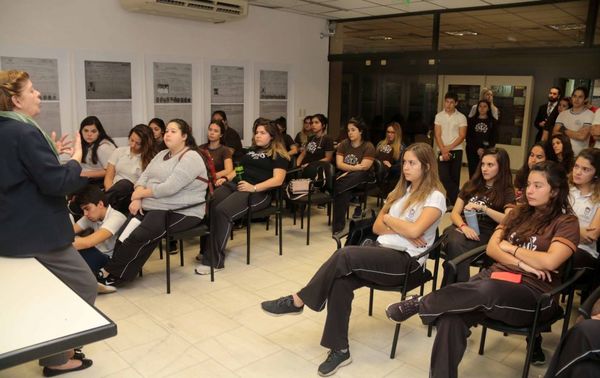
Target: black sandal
{"x":78,"y":354}
{"x":49,"y":372}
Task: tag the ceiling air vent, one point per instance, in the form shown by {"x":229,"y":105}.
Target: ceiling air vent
{"x":198,"y":10}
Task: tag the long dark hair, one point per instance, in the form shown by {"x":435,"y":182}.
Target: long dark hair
{"x":568,"y":156}
{"x":489,"y":112}
{"x":502,"y":182}
{"x":529,"y":220}
{"x":147,"y":146}
{"x":102,"y":136}
{"x":523,"y":173}
{"x":360,"y":124}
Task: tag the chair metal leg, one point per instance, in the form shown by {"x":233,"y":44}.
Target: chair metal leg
{"x":267,"y":226}
{"x":248,"y":226}
{"x":482,"y":340}
{"x":371,"y":294}
{"x":181,"y":252}
{"x":160,"y":248}
{"x":279,"y":225}
{"x":395,"y":341}
{"x":302,"y":217}
{"x":168,"y":263}
{"x":329,"y":214}
{"x":429,"y":329}
{"x":529,"y":355}
{"x":308,"y":225}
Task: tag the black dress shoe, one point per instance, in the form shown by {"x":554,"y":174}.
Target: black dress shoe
{"x":49,"y":372}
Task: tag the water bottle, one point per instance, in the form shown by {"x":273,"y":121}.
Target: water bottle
{"x":239,"y":172}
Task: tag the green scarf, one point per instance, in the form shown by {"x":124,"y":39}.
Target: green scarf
{"x":28,"y":120}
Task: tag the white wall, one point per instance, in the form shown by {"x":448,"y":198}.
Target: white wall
{"x":74,"y":30}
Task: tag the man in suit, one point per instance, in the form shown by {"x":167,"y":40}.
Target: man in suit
{"x":544,"y":113}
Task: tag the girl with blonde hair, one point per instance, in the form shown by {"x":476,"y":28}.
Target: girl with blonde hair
{"x":406,"y":227}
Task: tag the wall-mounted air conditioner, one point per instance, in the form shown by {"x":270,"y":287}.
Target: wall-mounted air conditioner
{"x":199,"y":10}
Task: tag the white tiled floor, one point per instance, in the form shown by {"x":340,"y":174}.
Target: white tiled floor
{"x":218,"y":329}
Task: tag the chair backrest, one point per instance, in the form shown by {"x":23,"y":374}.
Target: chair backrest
{"x":586,"y":308}
{"x":313,"y":169}
{"x":378,"y":171}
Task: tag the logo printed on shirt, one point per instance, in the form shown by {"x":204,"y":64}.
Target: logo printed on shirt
{"x":257,"y":155}
{"x":530,"y":244}
{"x":351,"y":159}
{"x":386,"y":148}
{"x":481,"y":127}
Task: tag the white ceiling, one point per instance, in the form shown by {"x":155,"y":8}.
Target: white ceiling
{"x":345,"y":9}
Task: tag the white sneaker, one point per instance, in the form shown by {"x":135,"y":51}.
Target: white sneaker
{"x":105,"y":289}
{"x":204,"y":270}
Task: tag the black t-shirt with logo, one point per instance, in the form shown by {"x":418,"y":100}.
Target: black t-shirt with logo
{"x":354,"y":155}
{"x":481,"y":133}
{"x":258,"y":167}
{"x":316,"y":148}
{"x":385,"y":152}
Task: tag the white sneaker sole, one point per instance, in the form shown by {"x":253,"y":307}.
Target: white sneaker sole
{"x":346,"y":362}
{"x":287,"y":313}
{"x":205,"y":272}
{"x":104,"y":289}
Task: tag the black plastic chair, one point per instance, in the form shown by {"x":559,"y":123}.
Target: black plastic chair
{"x":199,"y":231}
{"x":274,"y":209}
{"x":536,"y":327}
{"x":585,"y":309}
{"x":433,"y":253}
{"x":316,"y":197}
{"x":373,"y":186}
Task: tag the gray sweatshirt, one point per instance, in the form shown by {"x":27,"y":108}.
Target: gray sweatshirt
{"x":173,"y":183}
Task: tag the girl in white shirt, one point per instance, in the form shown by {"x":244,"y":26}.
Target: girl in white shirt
{"x":584,"y":196}
{"x":125,"y":166}
{"x":406,"y":227}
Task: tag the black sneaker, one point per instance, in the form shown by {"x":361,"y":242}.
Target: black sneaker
{"x":357,"y":212}
{"x":335,"y":360}
{"x":281,"y":306}
{"x":106,"y":281}
{"x":538,"y":357}
{"x":400,"y":311}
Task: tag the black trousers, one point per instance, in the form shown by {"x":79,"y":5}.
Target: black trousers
{"x":229,"y":204}
{"x":455,"y":308}
{"x":130,"y":255}
{"x":450,"y":175}
{"x":343,"y":195}
{"x":348,"y":269}
{"x":457,"y":244}
{"x":119,"y":195}
{"x":578,"y":354}
{"x":472,"y":160}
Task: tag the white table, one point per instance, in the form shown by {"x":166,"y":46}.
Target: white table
{"x":41,"y":316}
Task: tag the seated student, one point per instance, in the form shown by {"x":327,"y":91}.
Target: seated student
{"x":530,"y":245}
{"x":97,"y":148}
{"x":563,"y":152}
{"x":482,"y":133}
{"x":388,"y":152}
{"x":319,"y":146}
{"x":125,"y":166}
{"x":537,"y":154}
{"x":304,"y":135}
{"x":406,"y":227}
{"x":97,"y":247}
{"x":231,"y":138}
{"x":289,"y":143}
{"x":158,"y":130}
{"x":264,"y":169}
{"x":585,"y":200}
{"x":221,"y":154}
{"x":354,"y":158}
{"x":169,"y":182}
{"x":489,"y":192}
{"x":578,"y":353}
